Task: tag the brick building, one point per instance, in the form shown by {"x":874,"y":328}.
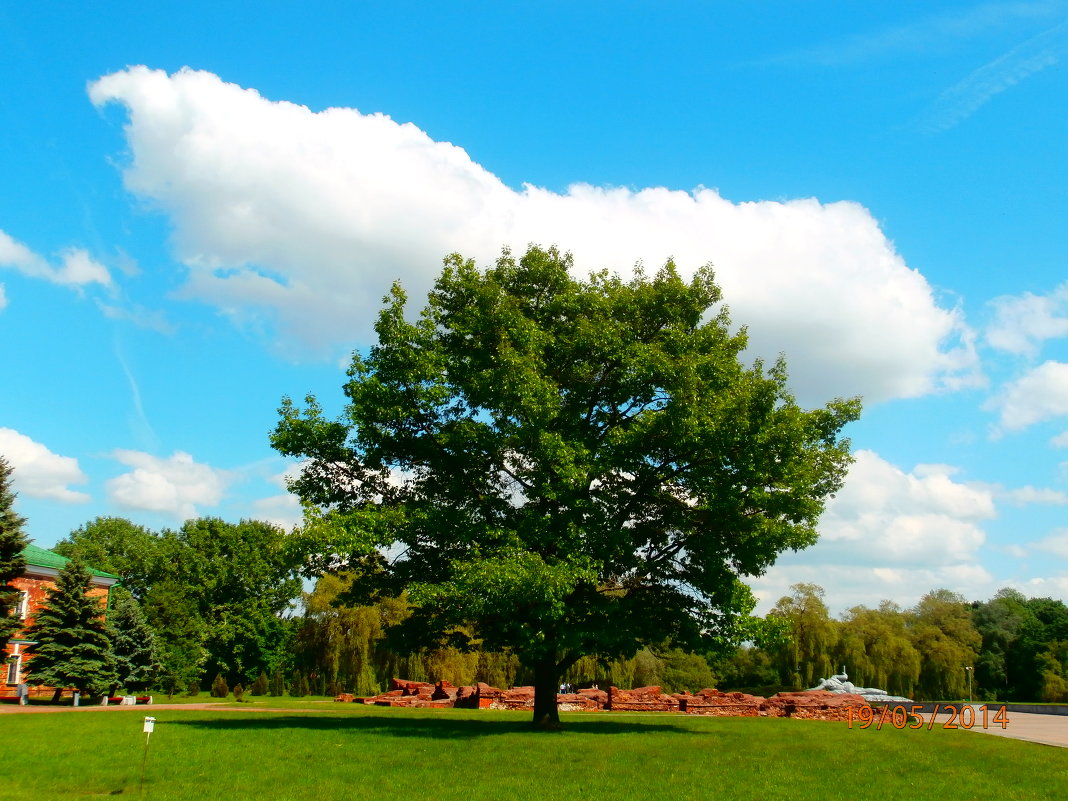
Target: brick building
{"x":42,"y":568}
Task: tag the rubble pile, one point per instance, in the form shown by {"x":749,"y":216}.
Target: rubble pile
{"x":809,"y":704}
{"x":813,"y":705}
{"x":714,"y":702}
{"x":640,"y":699}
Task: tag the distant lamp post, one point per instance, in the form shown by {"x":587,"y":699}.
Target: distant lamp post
{"x":968,"y":672}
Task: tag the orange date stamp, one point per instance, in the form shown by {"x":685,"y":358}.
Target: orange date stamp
{"x":960,"y":717}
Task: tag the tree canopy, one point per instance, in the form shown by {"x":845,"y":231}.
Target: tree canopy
{"x":571,"y":467}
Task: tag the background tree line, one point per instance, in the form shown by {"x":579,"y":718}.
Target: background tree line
{"x":224,"y":599}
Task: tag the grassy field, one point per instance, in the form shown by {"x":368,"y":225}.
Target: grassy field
{"x":332,"y":751}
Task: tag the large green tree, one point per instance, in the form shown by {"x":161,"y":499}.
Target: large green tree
{"x":571,"y":466}
{"x":119,"y":546}
{"x":70,"y":646}
{"x":241,"y":582}
{"x":12,"y":562}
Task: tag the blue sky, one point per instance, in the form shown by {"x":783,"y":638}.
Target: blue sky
{"x":203,"y":204}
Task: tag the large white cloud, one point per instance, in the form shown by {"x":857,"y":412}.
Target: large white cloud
{"x":306,"y":218}
{"x":76,"y":267}
{"x":40,"y":473}
{"x":176,"y":485}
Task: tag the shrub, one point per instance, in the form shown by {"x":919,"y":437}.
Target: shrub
{"x":219,"y":687}
{"x":239,"y":693}
{"x":193,"y":689}
{"x":260,"y":685}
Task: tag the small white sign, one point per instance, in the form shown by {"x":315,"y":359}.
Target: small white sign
{"x":150,"y":724}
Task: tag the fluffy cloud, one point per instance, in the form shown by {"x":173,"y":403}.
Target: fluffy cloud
{"x":39,"y":473}
{"x":176,"y":485}
{"x":1023,"y":322}
{"x":76,"y":267}
{"x":303,"y":218}
{"x":893,"y":534}
{"x":849,"y":586}
{"x":885,"y":516}
{"x":1040,"y":394}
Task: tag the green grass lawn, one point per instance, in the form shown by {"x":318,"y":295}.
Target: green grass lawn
{"x":334,"y":751}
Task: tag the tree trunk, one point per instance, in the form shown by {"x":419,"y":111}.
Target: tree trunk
{"x":546,"y":712}
{"x":56,"y":695}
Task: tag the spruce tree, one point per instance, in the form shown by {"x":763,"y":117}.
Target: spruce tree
{"x":12,"y":562}
{"x":70,"y":643}
{"x":133,"y":647}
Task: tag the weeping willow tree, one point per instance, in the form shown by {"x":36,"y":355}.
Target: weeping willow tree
{"x":876,"y":647}
{"x":807,"y":654}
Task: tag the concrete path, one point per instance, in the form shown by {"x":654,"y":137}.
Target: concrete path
{"x":1045,"y":729}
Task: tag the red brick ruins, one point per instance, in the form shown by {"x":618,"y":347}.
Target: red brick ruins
{"x":810,"y":704}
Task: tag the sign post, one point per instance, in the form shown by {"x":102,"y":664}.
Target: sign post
{"x":150,"y":724}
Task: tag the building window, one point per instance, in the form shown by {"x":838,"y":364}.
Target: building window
{"x":22,"y":608}
{"x":14,"y":667}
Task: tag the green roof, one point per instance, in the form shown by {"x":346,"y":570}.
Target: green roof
{"x":39,"y":557}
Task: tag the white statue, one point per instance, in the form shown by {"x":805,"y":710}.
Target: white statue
{"x":840,"y":683}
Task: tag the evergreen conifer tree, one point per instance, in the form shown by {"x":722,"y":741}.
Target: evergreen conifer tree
{"x":134,"y":647}
{"x":70,"y":643}
{"x":277,"y":685}
{"x":219,"y":687}
{"x":260,"y":685}
{"x":12,"y":562}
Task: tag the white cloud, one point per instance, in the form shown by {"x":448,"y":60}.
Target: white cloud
{"x":892,"y":534}
{"x":936,"y":33}
{"x":40,"y":473}
{"x":76,"y":267}
{"x":176,"y":485}
{"x":852,"y":585}
{"x":1023,"y":322}
{"x":3,"y":298}
{"x":884,"y":516}
{"x":303,"y":219}
{"x":1029,"y":495}
{"x":283,"y":510}
{"x":1038,"y":395}
{"x":1056,"y":543}
{"x":1060,"y":441}
{"x":967,"y":96}
{"x":1045,"y":587}
{"x":148,"y":319}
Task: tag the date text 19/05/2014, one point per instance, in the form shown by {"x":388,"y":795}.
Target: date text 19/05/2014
{"x":960,"y":717}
